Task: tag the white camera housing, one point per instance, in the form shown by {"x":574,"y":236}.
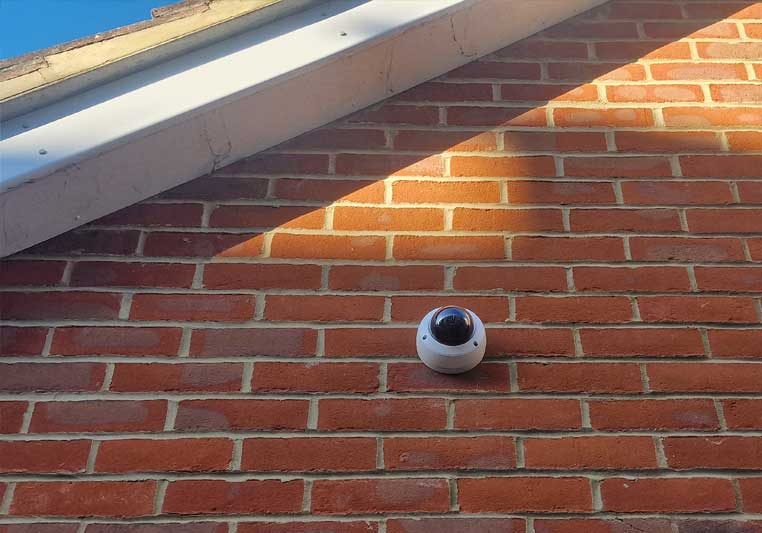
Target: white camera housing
{"x":450,"y":359}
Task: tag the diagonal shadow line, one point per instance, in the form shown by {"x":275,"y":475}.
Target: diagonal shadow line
{"x":290,"y":186}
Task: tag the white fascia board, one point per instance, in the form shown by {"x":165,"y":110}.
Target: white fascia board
{"x":109,"y":147}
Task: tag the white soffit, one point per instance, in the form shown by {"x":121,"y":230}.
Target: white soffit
{"x":111,"y":146}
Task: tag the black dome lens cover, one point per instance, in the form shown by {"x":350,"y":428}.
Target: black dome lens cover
{"x":452,"y":325}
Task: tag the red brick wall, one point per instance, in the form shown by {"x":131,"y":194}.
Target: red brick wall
{"x":238,"y":353}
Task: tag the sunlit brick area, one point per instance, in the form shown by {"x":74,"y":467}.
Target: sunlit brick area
{"x":237,"y":355}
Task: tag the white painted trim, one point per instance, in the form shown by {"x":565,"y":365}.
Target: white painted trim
{"x":119,"y":143}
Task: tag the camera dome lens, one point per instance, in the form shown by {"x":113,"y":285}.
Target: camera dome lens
{"x":452,"y":325}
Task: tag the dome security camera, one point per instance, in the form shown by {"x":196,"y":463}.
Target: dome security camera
{"x":451,"y":340}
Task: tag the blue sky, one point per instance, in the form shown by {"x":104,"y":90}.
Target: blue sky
{"x":28,"y":25}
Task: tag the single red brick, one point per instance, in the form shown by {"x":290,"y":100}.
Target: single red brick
{"x":22,"y":341}
{"x":590,"y":453}
{"x":533,"y":92}
{"x":49,"y":377}
{"x":98,"y":416}
{"x":236,"y":415}
{"x":324,"y":308}
{"x":564,"y":192}
{"x":515,"y":166}
{"x":455,"y":525}
{"x":176,"y":215}
{"x":449,"y":453}
{"x":164,"y":455}
{"x":736,"y":342}
{"x":671,"y":495}
{"x":60,"y":305}
{"x":113,"y":274}
{"x":440,"y":141}
{"x":746,"y":141}
{"x":725,"y":309}
{"x":388,"y":219}
{"x":620,"y":117}
{"x":125,"y":341}
{"x":753,"y":30}
{"x":731,"y":10}
{"x":617,"y":167}
{"x":618,"y":415}
{"x":698,"y":71}
{"x":707,"y":117}
{"x":755,"y":248}
{"x":354,"y":247}
{"x":631,"y":279}
{"x":12,"y":416}
{"x":307,"y":527}
{"x":579,"y":377}
{"x":512,"y":220}
{"x":44,"y":456}
{"x":399,"y":414}
{"x":362,"y":342}
{"x":537,"y":47}
{"x":372,"y":496}
{"x":464,"y":192}
{"x":529,"y":342}
{"x":165,"y":244}
{"x":212,"y":496}
{"x":676,"y":193}
{"x":751,"y":494}
{"x":49,"y":527}
{"x":412,"y":308}
{"x":280,"y":163}
{"x":391,"y":113}
{"x":312,"y":377}
{"x":616,"y":525}
{"x":85,"y":242}
{"x":724,"y":452}
{"x":31,"y":272}
{"x":261,"y":276}
{"x":644,"y":49}
{"x":517,"y":414}
{"x":724,"y":220}
{"x":493,"y":69}
{"x":336,"y":138}
{"x":219,"y":189}
{"x":256,"y":341}
{"x":553,"y":141}
{"x":653,"y":342}
{"x":585,"y":72}
{"x":737,"y":92}
{"x":403,"y":377}
{"x":158,"y":377}
{"x":730,"y":166}
{"x":317,"y":190}
{"x":510,"y":278}
{"x":743,"y":414}
{"x":119,"y":499}
{"x":267,"y":216}
{"x":388,"y":165}
{"x":309,"y":454}
{"x":703,"y":377}
{"x":667,"y":141}
{"x":175,"y":527}
{"x":642,"y":10}
{"x":524,"y":494}
{"x":459,"y":92}
{"x":692,"y":28}
{"x":568,"y":248}
{"x":386,"y":278}
{"x":448,"y":248}
{"x":193,"y":307}
{"x":686,"y":249}
{"x":579,"y":29}
{"x":496,"y":116}
{"x":594,"y":309}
